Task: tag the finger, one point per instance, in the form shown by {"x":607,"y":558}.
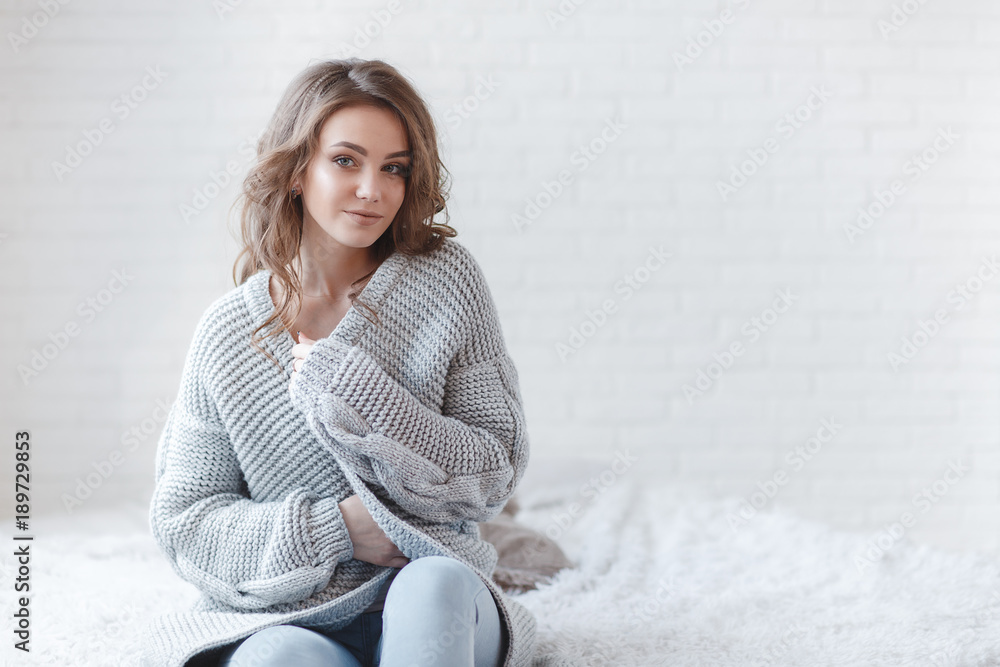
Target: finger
{"x":301,"y":350}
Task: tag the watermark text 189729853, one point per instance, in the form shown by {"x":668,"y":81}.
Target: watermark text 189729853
{"x":22,"y":550}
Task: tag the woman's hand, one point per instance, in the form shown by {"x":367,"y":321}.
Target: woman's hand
{"x":370,"y":543}
{"x":300,"y":350}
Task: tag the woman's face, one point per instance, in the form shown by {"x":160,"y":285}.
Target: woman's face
{"x":359,"y":168}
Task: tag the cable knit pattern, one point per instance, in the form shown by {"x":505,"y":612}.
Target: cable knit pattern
{"x":420,"y":415}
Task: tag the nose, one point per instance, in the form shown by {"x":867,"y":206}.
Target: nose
{"x":368,"y":186}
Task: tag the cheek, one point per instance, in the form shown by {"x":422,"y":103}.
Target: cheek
{"x":326,"y":180}
{"x":398,"y":193}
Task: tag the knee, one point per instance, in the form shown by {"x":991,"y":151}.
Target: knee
{"x":273,"y":645}
{"x":435,"y":578}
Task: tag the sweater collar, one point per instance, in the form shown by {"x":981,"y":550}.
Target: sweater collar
{"x":353,"y":325}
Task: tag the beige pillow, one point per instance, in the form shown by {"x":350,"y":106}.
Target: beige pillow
{"x":526,"y":558}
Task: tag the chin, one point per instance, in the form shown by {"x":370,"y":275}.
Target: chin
{"x":353,"y":238}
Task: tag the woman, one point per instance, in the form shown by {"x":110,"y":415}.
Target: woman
{"x":323,"y":491}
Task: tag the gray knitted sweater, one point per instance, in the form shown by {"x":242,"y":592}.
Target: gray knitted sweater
{"x":420,"y":415}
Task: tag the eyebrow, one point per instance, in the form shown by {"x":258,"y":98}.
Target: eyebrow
{"x":361,"y":150}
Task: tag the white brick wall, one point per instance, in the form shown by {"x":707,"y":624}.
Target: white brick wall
{"x":653,"y":184}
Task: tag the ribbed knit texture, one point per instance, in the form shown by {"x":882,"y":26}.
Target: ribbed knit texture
{"x":420,"y":415}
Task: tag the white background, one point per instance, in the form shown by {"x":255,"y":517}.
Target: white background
{"x":555,"y":81}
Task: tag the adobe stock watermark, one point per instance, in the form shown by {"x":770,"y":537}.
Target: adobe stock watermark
{"x":562,"y":12}
{"x":752,"y":330}
{"x":915,"y":167}
{"x":951,"y":655}
{"x":370,"y":31}
{"x":649,"y":610}
{"x":261,"y":651}
{"x":957,"y":298}
{"x":777,"y":650}
{"x":947,"y":656}
{"x":460,"y":111}
{"x":979,"y":619}
{"x":106,"y":467}
{"x":590,"y":490}
{"x":88,"y":309}
{"x":223,"y":7}
{"x":786,"y":127}
{"x":629,"y":284}
{"x":900,"y":16}
{"x":432,"y":649}
{"x":893,"y":532}
{"x":796,"y":459}
{"x":218,"y":181}
{"x":697,"y":44}
{"x":992,"y":610}
{"x":31,"y":25}
{"x":581,"y":158}
{"x":121,"y":108}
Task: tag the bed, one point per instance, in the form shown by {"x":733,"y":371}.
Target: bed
{"x":657,"y":580}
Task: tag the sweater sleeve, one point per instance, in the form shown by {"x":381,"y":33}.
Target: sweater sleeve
{"x":462,"y":463}
{"x":244,"y":553}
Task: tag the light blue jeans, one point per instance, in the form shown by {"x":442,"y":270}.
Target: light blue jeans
{"x":437,"y":613}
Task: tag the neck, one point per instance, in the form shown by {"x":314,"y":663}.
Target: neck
{"x":330,"y":268}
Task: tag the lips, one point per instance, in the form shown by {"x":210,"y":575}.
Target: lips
{"x":362,"y":217}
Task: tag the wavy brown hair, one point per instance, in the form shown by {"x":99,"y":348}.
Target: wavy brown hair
{"x":271,"y":219}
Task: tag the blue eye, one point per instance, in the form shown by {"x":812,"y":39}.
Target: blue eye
{"x":400,"y":170}
{"x":337,"y":160}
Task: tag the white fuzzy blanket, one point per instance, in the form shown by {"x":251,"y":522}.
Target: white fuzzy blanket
{"x":656,"y":584}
